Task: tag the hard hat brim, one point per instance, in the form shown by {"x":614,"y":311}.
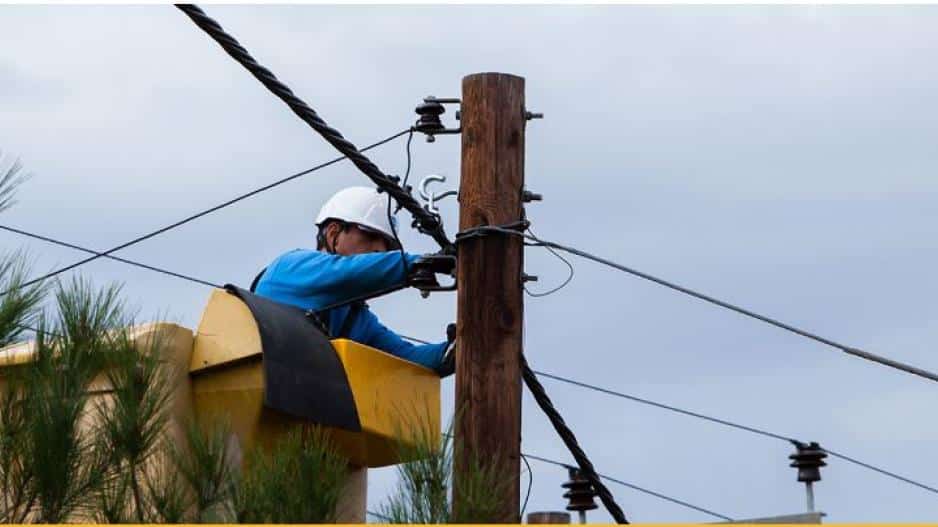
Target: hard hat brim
{"x":391,"y":240}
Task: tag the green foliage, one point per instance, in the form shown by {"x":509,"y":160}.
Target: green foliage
{"x":205,"y":465}
{"x":133,"y":420}
{"x":423,"y":492}
{"x":66,"y":463}
{"x":19,"y":306}
{"x":299,"y":480}
{"x":11,"y":178}
{"x":111,"y":500}
{"x":56,"y":466}
{"x":15,"y":472}
{"x":481,"y":486}
{"x":168,"y":494}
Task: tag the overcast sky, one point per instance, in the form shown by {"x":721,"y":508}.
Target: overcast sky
{"x":779,"y":157}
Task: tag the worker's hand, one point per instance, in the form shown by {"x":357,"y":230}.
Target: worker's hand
{"x":448,"y":365}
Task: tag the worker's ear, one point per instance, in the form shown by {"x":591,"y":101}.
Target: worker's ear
{"x":330,"y":235}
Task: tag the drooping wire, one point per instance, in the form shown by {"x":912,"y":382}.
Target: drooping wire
{"x":410,"y":138}
{"x":527,"y":494}
{"x":198,"y":215}
{"x":392,"y":219}
{"x":570,"y":273}
{"x":637,"y":488}
{"x":424,"y":221}
{"x":108,"y":256}
{"x":511,"y":230}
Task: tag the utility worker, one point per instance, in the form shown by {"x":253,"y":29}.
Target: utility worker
{"x":356,"y":254}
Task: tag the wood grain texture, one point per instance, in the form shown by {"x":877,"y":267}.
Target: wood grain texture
{"x":490,"y":301}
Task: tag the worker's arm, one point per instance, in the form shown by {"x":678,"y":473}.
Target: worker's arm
{"x":315,"y":279}
{"x":369,"y":330}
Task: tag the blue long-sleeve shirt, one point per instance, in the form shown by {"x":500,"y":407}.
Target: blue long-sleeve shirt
{"x":313,"y":280}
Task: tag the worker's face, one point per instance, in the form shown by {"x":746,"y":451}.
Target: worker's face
{"x":353,"y":240}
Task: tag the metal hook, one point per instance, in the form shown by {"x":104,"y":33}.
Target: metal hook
{"x":430,"y":198}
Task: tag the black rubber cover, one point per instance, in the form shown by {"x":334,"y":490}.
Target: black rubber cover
{"x":303,"y":376}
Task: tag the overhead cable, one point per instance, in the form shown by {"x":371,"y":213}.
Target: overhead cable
{"x":881,"y":471}
{"x":570,"y":441}
{"x":663,"y":406}
{"x":200,"y":214}
{"x":511,"y":230}
{"x":720,"y":421}
{"x":637,"y":488}
{"x":425,"y":221}
{"x":731,"y":424}
{"x":108,"y":256}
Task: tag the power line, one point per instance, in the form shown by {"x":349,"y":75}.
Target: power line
{"x":110,"y":257}
{"x":483,"y":230}
{"x":525,"y":455}
{"x":570,"y":441}
{"x":638,"y":488}
{"x":720,"y":421}
{"x":664,"y":406}
{"x":881,"y":471}
{"x":200,"y":214}
{"x":731,"y":424}
{"x":424,"y":220}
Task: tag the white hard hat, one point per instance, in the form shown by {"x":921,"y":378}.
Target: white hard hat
{"x":362,"y":206}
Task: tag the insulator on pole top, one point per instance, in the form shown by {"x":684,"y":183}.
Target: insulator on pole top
{"x":808,"y":459}
{"x":429,"y":112}
{"x":429,"y":122}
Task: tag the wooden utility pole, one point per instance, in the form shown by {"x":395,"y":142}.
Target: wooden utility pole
{"x":490,"y":303}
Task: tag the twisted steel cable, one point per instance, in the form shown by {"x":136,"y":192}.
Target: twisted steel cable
{"x":566,"y":435}
{"x":424,"y":221}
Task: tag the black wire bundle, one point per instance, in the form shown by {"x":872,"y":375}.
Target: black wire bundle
{"x":424,"y":221}
{"x":566,"y":435}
